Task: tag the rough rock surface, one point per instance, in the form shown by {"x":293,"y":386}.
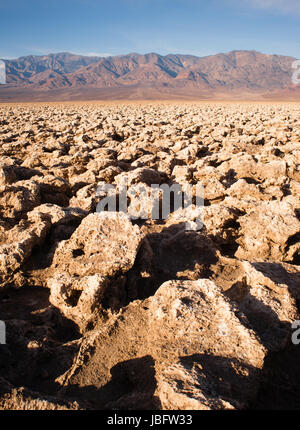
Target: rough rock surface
{"x":92,"y":261}
{"x":106,"y":310}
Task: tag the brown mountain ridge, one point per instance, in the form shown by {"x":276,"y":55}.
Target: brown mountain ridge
{"x":233,"y":74}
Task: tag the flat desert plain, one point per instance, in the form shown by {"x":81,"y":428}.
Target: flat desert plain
{"x":105,"y":310}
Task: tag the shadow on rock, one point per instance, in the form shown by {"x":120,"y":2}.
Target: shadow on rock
{"x":41,"y":342}
{"x":260,"y":318}
{"x":172,"y":253}
{"x":222,"y":377}
{"x":131,"y":387}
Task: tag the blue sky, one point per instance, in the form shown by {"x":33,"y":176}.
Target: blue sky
{"x":112,"y":27}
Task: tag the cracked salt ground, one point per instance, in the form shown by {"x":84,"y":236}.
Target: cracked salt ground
{"x":105,"y":312}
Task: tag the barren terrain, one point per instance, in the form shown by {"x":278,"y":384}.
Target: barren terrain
{"x":107,"y":312}
{"x":235,"y":75}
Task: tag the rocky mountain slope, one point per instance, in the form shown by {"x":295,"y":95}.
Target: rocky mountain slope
{"x":108,"y":311}
{"x":232,"y":73}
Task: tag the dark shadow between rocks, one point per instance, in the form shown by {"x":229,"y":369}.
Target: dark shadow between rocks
{"x":260,"y":318}
{"x":292,"y":241}
{"x":229,"y":378}
{"x":280,"y":377}
{"x":279,"y":274}
{"x":280,"y":386}
{"x":41,"y":256}
{"x":229,"y":178}
{"x":41,"y":342}
{"x":171,"y":253}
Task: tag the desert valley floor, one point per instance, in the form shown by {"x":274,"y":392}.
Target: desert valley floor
{"x":107,"y":312}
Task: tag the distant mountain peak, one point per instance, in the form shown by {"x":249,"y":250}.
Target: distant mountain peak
{"x":237,"y":70}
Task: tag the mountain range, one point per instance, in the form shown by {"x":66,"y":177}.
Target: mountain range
{"x":234,"y":75}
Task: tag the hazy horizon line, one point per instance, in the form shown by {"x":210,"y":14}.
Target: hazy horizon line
{"x":147,"y":53}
